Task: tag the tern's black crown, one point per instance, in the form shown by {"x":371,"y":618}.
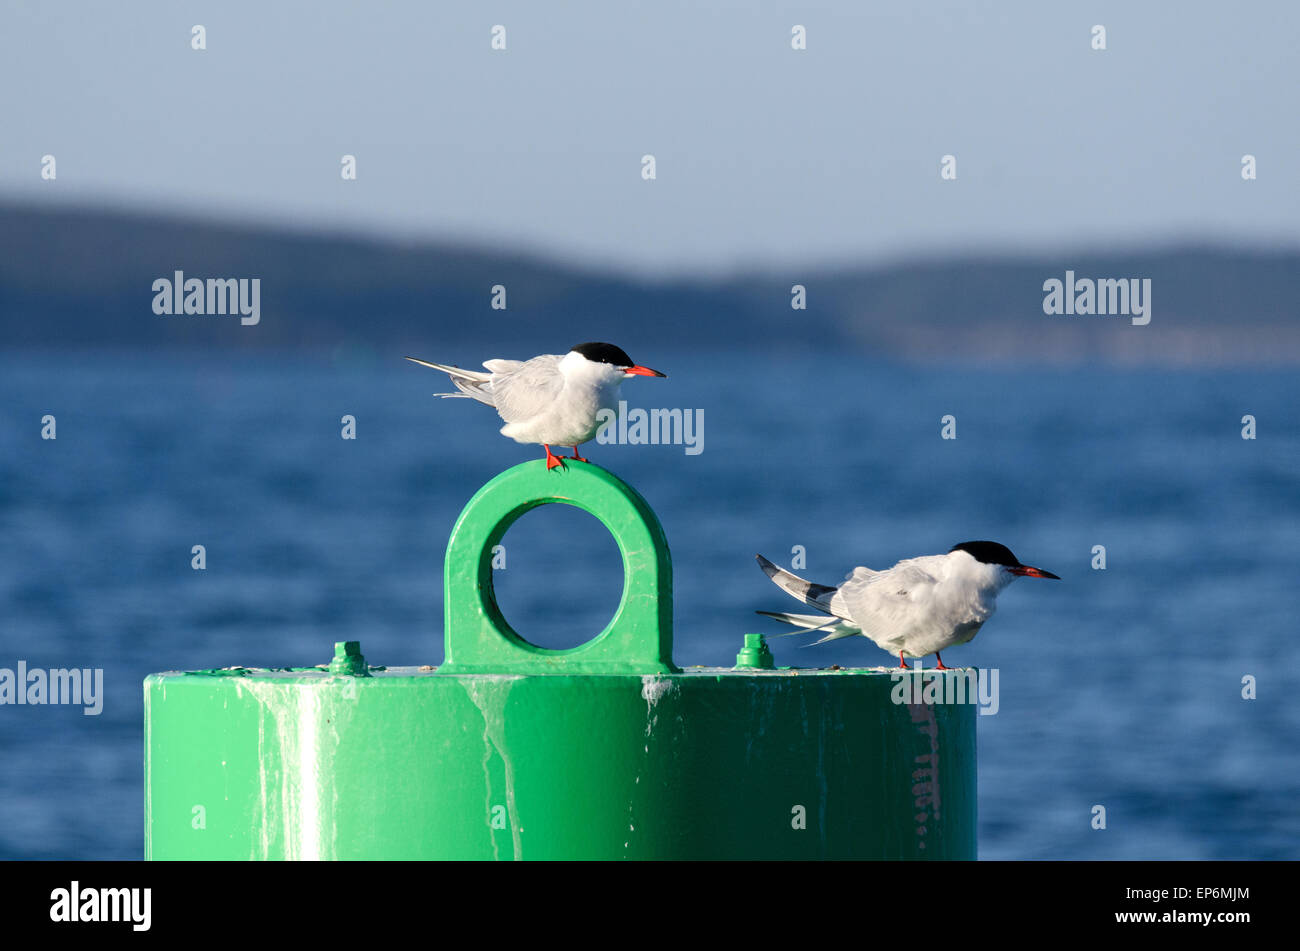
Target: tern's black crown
{"x":990,"y":553}
{"x":604,"y":353}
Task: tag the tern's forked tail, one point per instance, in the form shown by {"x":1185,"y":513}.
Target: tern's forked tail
{"x":812,"y":594}
{"x":807,"y":623}
{"x":471,"y":383}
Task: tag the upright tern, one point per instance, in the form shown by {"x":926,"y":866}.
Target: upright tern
{"x":920,"y":606}
{"x":550,"y":400}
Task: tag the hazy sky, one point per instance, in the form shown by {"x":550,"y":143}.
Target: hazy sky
{"x":764,"y":155}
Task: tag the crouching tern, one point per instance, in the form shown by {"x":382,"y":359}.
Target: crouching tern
{"x":920,"y":606}
{"x":550,"y":400}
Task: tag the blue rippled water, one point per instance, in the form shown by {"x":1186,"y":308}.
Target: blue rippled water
{"x":1119,"y":687}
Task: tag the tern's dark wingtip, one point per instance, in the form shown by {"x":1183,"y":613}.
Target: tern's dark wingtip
{"x":767,"y":567}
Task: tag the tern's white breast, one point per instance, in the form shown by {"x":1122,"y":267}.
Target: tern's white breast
{"x":569,"y":417}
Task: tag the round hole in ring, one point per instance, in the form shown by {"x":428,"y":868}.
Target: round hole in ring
{"x":562,"y":578}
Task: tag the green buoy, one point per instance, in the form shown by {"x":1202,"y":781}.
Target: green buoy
{"x":509,"y":750}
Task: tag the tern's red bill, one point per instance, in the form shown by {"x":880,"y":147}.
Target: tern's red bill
{"x":1028,"y":572}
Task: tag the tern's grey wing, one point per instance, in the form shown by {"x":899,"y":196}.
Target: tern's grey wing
{"x":883,"y":603}
{"x":527,"y":389}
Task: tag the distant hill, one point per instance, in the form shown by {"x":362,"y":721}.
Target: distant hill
{"x":83,"y":279}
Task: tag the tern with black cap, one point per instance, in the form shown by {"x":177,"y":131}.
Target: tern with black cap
{"x":552,"y":399}
{"x":920,"y":606}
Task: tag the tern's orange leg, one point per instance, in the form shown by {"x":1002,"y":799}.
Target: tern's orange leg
{"x":577,"y":457}
{"x":901,"y":663}
{"x":552,"y":460}
{"x":940,"y":660}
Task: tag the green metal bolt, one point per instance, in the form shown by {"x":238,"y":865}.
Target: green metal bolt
{"x":755,"y":653}
{"x":348,"y":660}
